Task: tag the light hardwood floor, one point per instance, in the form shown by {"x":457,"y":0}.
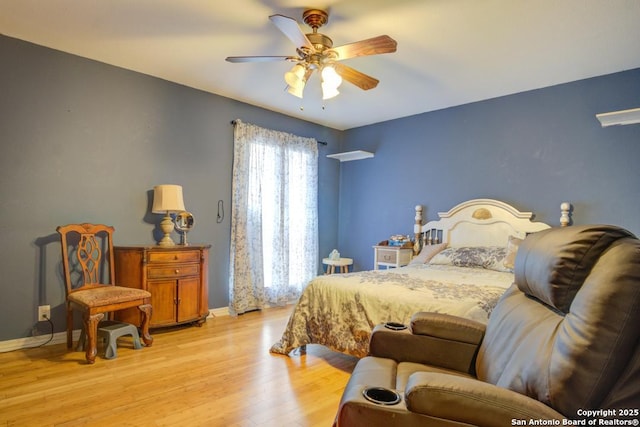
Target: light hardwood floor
{"x":221,"y":374}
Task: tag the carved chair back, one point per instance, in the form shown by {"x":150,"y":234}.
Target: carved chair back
{"x":87,"y":256}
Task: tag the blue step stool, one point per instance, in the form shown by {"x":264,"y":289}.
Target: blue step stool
{"x":110,"y":331}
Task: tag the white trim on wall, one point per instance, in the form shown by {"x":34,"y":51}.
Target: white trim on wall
{"x":61,"y":337}
{"x":37,"y":341}
{"x":217,"y":312}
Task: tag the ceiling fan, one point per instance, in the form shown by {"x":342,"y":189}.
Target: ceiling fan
{"x":315,"y":52}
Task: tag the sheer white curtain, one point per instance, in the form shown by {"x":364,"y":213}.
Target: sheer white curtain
{"x":274,"y":217}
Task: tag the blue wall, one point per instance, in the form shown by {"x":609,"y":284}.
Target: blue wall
{"x":533,"y":150}
{"x":86,"y":142}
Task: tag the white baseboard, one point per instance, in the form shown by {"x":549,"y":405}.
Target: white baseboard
{"x":40,"y":340}
{"x":61,"y":337}
{"x":217,"y":312}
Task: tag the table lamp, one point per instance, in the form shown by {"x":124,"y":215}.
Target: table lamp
{"x":167,"y":198}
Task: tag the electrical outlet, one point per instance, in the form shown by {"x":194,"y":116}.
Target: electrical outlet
{"x":44,"y":313}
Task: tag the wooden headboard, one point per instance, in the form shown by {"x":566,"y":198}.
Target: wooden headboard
{"x":479,"y":222}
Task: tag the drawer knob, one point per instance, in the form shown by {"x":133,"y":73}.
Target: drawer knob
{"x":175,"y":257}
{"x":177,"y":271}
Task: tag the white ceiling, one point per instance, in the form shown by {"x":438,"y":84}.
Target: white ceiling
{"x":450,"y":52}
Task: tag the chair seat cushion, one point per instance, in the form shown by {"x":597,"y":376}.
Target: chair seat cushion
{"x":107,"y":295}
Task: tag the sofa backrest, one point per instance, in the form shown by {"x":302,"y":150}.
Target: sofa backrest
{"x":567,"y":331}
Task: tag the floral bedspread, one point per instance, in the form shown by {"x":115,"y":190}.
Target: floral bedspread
{"x":339,"y":311}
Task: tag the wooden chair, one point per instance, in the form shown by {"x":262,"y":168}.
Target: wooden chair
{"x":89,"y":273}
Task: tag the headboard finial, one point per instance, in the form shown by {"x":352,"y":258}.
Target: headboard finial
{"x":565,"y":218}
{"x":417,"y":229}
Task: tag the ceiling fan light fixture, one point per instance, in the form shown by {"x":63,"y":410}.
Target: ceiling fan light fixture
{"x":296,"y":75}
{"x":330,"y":76}
{"x":329,"y":91}
{"x":296,"y":90}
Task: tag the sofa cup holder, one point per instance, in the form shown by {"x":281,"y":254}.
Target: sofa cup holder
{"x":395,"y":326}
{"x":381,"y":395}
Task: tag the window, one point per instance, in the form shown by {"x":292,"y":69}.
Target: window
{"x":274,"y":232}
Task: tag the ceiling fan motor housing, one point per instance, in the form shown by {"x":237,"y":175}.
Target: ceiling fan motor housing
{"x":320,"y":41}
{"x":316,"y":18}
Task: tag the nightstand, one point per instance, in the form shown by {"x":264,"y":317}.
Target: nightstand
{"x":391,"y":256}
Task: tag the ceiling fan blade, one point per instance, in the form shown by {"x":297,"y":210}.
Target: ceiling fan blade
{"x":372,"y":46}
{"x":261,"y":58}
{"x":355,"y":77}
{"x":291,"y":29}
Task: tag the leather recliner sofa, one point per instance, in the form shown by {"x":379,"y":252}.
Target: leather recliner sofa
{"x":562,"y":341}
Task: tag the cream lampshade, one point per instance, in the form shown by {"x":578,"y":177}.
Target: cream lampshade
{"x":167,"y":198}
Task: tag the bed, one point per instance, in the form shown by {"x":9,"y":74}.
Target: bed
{"x":463,"y":263}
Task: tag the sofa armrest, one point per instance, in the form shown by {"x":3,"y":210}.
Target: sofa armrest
{"x":444,"y":341}
{"x":467,"y":400}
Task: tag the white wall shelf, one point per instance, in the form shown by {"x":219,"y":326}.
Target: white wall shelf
{"x":623,"y":117}
{"x":351,"y":155}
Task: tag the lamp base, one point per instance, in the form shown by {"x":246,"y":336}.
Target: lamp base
{"x":167,"y":227}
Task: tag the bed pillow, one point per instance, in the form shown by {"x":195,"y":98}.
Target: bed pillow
{"x":428,"y":252}
{"x":512,"y":249}
{"x":489,"y":257}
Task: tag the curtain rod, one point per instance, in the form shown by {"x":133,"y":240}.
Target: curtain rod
{"x":233,"y":122}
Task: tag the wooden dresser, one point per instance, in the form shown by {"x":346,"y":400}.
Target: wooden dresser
{"x":176,"y":276}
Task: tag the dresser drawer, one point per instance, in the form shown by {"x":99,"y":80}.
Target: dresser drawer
{"x":166,"y":272}
{"x":174,"y":256}
{"x":384,"y":255}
